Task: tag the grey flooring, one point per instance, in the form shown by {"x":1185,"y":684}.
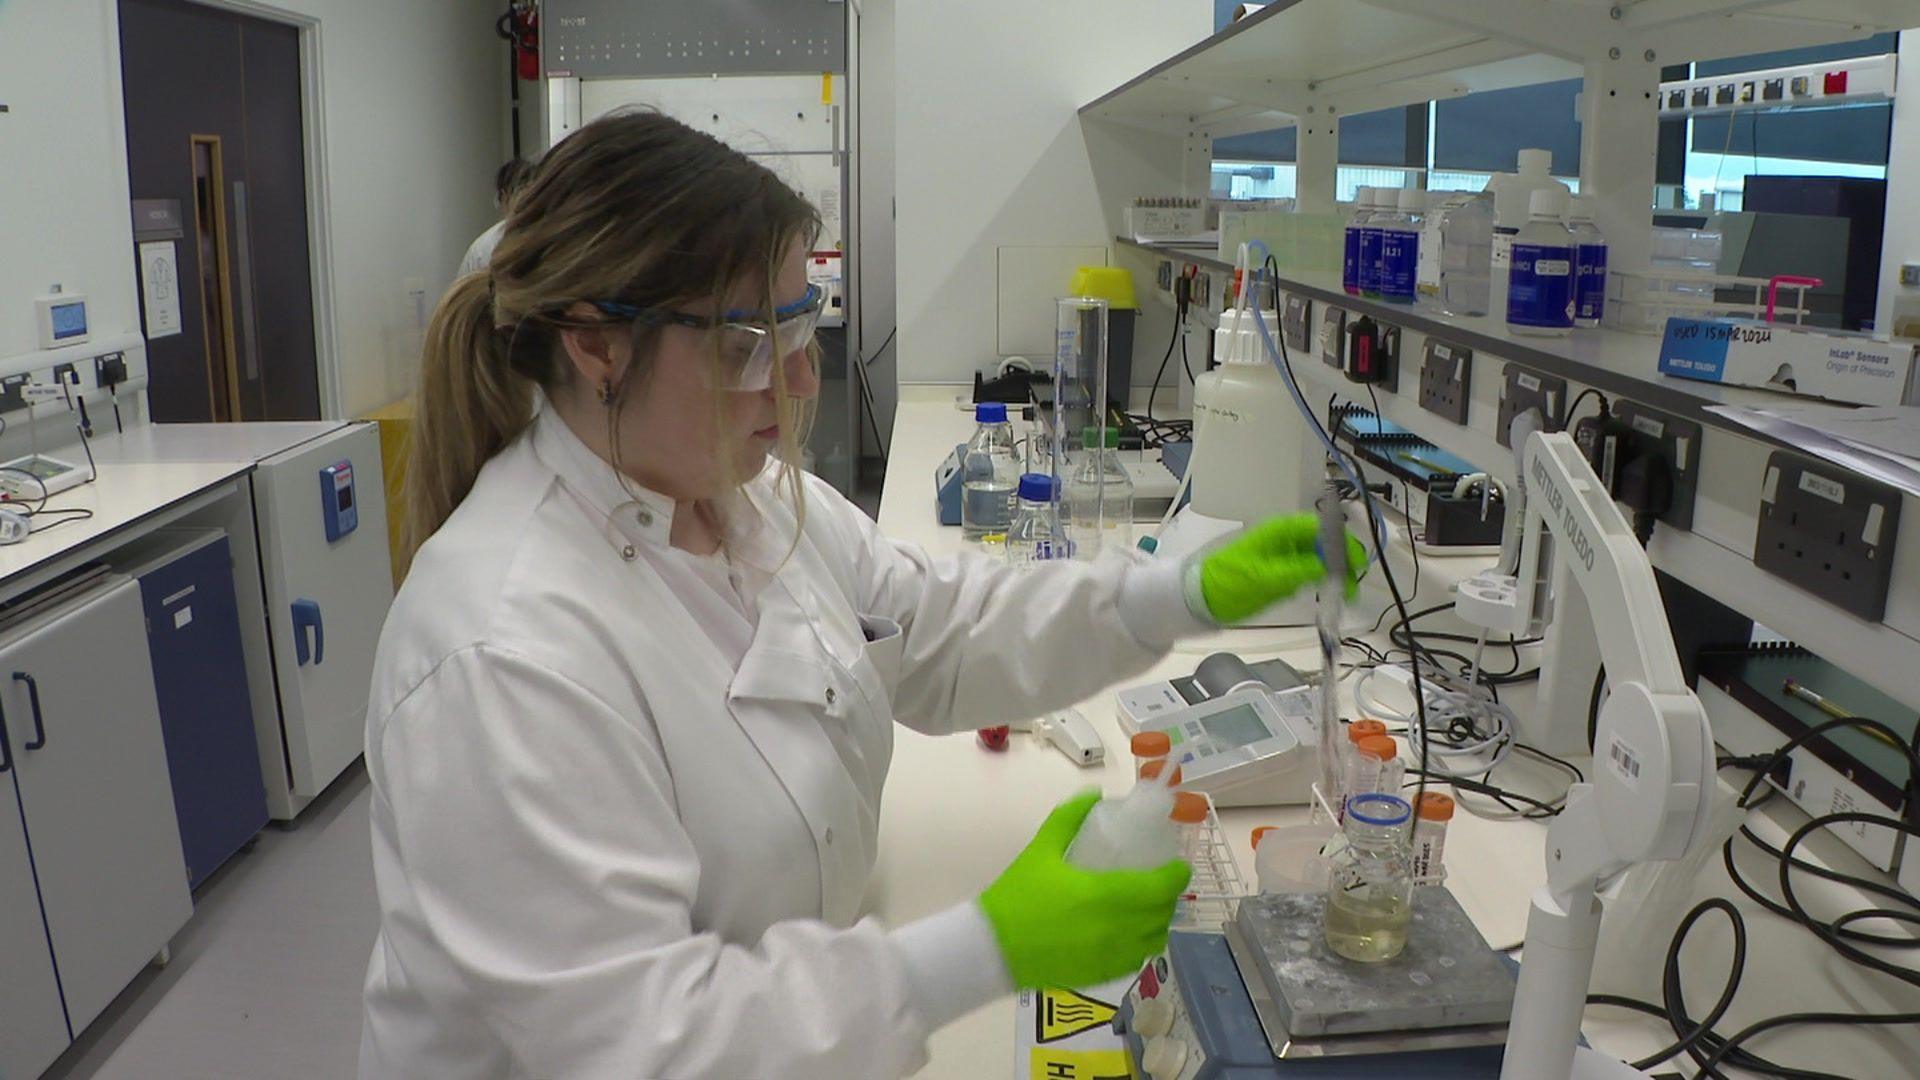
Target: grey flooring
{"x":264,"y":982}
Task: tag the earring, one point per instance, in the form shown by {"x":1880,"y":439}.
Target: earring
{"x":606,"y":391}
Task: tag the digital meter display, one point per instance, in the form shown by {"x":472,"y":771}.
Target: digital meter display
{"x":1233,"y":728}
{"x":69,"y":320}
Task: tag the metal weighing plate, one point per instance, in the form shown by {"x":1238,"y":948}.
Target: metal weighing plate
{"x":1447,"y":989}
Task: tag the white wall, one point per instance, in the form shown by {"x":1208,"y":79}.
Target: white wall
{"x":990,"y":152}
{"x":409,"y":93}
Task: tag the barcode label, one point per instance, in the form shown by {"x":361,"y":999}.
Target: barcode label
{"x":1625,"y":762}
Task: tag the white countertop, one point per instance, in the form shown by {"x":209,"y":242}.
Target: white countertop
{"x":955,"y":814}
{"x":246,"y":443}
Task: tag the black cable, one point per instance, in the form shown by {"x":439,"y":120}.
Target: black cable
{"x":1179,"y":321}
{"x":1581,"y":396}
{"x":1838,"y":1019}
{"x":1386,"y":567}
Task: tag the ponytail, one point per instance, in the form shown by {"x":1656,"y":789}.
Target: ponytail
{"x":470,"y":404}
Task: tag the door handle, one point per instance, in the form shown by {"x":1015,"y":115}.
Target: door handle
{"x":39,"y":724}
{"x":306,"y":613}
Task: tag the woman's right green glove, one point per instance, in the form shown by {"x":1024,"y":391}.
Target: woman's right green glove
{"x":1264,"y":565}
{"x":1059,"y":925}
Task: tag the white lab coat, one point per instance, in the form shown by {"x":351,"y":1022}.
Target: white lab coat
{"x":480,"y":253}
{"x":602,"y":851}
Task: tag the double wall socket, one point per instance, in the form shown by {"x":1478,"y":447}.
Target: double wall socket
{"x":1446,"y":375}
{"x":1296,"y":323}
{"x":1333,"y":336}
{"x":1526,"y":388}
{"x":1676,"y":440}
{"x":1829,"y":531}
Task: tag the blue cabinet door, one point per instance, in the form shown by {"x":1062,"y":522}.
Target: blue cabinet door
{"x":200,"y":676}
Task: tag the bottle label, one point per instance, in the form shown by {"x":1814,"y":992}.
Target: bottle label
{"x":1426,"y":279}
{"x":1369,"y":258}
{"x":1540,"y":285}
{"x":1350,"y":269}
{"x":1399,"y":263}
{"x":1590,"y":288}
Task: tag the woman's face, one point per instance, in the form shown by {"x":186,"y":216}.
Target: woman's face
{"x":671,"y":437}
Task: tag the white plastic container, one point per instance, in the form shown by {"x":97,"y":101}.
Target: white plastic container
{"x":1289,"y":861}
{"x":1456,"y":256}
{"x":1245,"y":414}
{"x":1541,"y":272}
{"x":1513,"y":199}
{"x":1133,"y":832}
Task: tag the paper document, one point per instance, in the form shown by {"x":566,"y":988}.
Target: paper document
{"x":1881,"y":443}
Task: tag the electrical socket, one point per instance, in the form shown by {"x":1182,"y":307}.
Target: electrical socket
{"x":65,"y":375}
{"x":1526,"y":388}
{"x":1446,"y":375}
{"x":12,"y":392}
{"x":1373,"y":354}
{"x":110,"y":370}
{"x":1673,"y":438}
{"x":1829,"y":531}
{"x":1333,"y":336}
{"x":1296,"y":323}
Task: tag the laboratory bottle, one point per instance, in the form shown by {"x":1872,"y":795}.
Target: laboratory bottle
{"x":1540,"y":274}
{"x":1147,"y":747}
{"x":1034,"y":535}
{"x":1371,"y":768}
{"x":1589,"y":264}
{"x":1100,"y":497}
{"x":1400,"y":247}
{"x":1456,"y":256}
{"x":1370,"y":882}
{"x":1357,"y":221}
{"x":989,"y":475}
{"x":1381,"y":207}
{"x":1513,"y":199}
{"x":1190,"y":820}
{"x":1133,"y":832}
{"x":1244,"y":414}
{"x":1430,"y":821}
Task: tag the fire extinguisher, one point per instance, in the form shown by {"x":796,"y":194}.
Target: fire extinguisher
{"x":521,"y":26}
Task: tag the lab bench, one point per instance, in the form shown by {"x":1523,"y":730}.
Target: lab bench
{"x":956,"y":814}
{"x":166,"y":686}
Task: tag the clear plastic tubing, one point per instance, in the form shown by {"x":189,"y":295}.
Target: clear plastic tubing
{"x":1430,"y":822}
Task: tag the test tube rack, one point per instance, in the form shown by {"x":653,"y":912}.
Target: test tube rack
{"x":1217,"y":884}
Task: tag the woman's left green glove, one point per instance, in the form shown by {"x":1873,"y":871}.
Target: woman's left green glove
{"x":1265,"y":565}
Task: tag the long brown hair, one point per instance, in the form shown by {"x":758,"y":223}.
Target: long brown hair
{"x":635,"y":207}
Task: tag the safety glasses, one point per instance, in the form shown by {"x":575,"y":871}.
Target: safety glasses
{"x":748,"y":346}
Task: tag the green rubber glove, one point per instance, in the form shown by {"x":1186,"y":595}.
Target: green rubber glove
{"x":1267,"y":564}
{"x":1059,"y":925}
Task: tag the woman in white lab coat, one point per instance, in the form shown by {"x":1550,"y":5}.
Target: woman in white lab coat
{"x":632,"y":709}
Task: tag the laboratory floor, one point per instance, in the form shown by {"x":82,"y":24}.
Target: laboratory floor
{"x":265,"y":978}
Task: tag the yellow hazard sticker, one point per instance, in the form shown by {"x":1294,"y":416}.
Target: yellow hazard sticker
{"x":1058,"y":1064}
{"x":826,"y":88}
{"x":1065,"y":1013}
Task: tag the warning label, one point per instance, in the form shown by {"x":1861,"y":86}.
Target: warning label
{"x":1058,"y":1064}
{"x":1062,"y":1014}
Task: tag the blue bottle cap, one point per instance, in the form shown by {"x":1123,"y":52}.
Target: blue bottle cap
{"x":990,"y":412}
{"x":1038,"y":487}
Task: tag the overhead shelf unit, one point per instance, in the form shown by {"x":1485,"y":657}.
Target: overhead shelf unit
{"x":1308,"y":63}
{"x":1311,"y":62}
